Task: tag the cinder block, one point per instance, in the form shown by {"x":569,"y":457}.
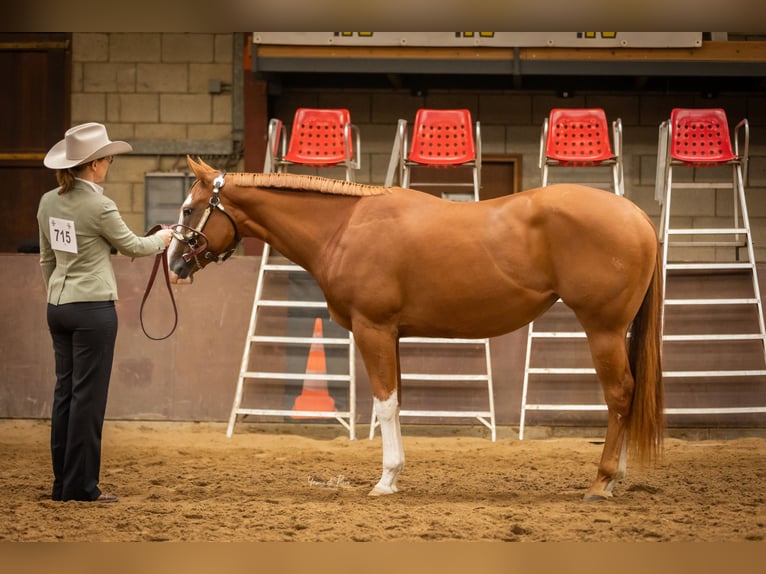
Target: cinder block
{"x":157,"y":131}
{"x":131,"y":168}
{"x":504,"y":109}
{"x":185,"y":108}
{"x":452,"y":100}
{"x":224,"y":48}
{"x":395,"y":105}
{"x":121,"y":192}
{"x":215,"y":132}
{"x":120,"y":131}
{"x":87,"y":47}
{"x":756,"y":171}
{"x":222,"y":109}
{"x":108,"y":77}
{"x":88,"y":108}
{"x":200,"y":74}
{"x":133,"y":107}
{"x":376,"y":138}
{"x":188,"y":47}
{"x":158,"y":78}
{"x":492,"y":139}
{"x":135,"y":47}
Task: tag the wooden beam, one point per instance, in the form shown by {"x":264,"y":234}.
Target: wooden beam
{"x":709,"y":52}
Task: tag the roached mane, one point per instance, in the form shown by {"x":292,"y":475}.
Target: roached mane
{"x":306,"y":183}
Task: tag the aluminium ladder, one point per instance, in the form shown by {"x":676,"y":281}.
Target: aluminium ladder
{"x":267,"y":273}
{"x":447,"y":346}
{"x":704,"y":260}
{"x":485,"y":416}
{"x":559,"y":331}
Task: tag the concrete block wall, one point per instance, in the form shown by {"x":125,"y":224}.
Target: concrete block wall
{"x":151,"y":87}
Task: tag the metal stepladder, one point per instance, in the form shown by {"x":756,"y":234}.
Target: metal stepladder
{"x":275,"y":336}
{"x":702,"y":255}
{"x":270,"y":272}
{"x":476,"y":352}
{"x":570,"y":138}
{"x":558,"y":338}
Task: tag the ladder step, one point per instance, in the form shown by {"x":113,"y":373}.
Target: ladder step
{"x":703,"y":184}
{"x":707,"y":243}
{"x":707,"y":231}
{"x":438,"y":377}
{"x":715,"y":337}
{"x":283,"y":267}
{"x":558,"y":334}
{"x":736,"y":301}
{"x":699,"y":374}
{"x":714,"y":410}
{"x":668,"y":411}
{"x":710,"y":266}
{"x":298,"y":304}
{"x":294,"y":376}
{"x":468,"y":414}
{"x":553,"y":407}
{"x":289,"y":413}
{"x":299,"y":340}
{"x":557,"y":371}
{"x":447,"y":341}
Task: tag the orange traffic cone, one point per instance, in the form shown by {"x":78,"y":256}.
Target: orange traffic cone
{"x":314,"y":396}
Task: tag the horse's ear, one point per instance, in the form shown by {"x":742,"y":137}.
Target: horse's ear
{"x":209,"y":167}
{"x":199,"y":170}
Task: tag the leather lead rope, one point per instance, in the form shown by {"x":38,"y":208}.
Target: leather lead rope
{"x":160,"y":259}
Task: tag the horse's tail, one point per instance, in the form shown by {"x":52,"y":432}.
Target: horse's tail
{"x":646,"y":422}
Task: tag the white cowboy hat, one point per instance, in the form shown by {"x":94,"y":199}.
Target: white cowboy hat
{"x":82,"y":144}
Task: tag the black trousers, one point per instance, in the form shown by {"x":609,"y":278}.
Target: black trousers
{"x":83,"y":343}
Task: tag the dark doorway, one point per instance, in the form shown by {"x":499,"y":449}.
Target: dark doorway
{"x":34,"y":113}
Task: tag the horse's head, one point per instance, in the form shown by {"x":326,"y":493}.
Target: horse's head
{"x":205,"y":231}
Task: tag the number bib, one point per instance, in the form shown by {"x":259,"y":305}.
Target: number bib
{"x":63,"y":235}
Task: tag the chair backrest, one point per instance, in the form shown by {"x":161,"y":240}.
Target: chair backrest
{"x":318,"y":137}
{"x":700,"y":136}
{"x":442,"y":138}
{"x":578,"y":136}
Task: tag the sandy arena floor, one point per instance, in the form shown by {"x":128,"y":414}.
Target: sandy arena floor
{"x":189,"y":482}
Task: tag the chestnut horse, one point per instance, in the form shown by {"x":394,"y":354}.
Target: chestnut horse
{"x":396,"y":262}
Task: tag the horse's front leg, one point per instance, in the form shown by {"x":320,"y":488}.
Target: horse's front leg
{"x":611,"y":362}
{"x":379,"y":348}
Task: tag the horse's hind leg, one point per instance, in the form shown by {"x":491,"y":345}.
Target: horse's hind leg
{"x":611,"y":361}
{"x":379,"y":349}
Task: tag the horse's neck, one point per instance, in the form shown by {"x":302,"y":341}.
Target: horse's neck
{"x":300,"y":225}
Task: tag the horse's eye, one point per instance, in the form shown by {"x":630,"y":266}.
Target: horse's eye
{"x":187,"y":211}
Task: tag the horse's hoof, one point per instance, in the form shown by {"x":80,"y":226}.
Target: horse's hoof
{"x":378,"y":491}
{"x":592,"y":497}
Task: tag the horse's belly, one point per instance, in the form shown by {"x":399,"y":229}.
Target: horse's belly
{"x":470,"y":317}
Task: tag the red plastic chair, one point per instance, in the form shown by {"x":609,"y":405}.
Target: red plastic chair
{"x":319,"y":138}
{"x":700,"y":138}
{"x":579,"y":137}
{"x":440,"y":138}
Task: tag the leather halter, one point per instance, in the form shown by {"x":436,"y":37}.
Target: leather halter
{"x":196,"y":240}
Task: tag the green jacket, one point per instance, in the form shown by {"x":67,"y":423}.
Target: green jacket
{"x":86,"y":275}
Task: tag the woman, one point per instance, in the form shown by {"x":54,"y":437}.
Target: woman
{"x":78,"y":227}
